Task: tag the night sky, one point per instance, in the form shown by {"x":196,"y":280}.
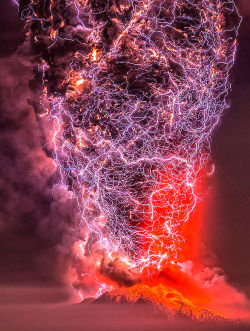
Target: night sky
{"x":37,"y":227}
{"x":228,"y":212}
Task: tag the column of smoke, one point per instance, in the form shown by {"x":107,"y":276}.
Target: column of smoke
{"x":132,"y":91}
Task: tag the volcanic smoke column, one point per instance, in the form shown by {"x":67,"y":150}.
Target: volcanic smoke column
{"x":132,"y":91}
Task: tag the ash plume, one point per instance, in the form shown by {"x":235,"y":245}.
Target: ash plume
{"x":131,"y":93}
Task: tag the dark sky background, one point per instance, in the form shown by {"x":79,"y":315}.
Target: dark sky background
{"x":227,"y":214}
{"x":36,"y":227}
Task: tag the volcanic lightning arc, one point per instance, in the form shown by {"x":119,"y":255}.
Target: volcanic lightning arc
{"x":132,"y":91}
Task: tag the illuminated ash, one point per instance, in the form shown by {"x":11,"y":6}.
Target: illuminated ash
{"x":132,"y":91}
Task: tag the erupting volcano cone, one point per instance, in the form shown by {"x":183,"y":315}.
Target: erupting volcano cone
{"x":163,"y":299}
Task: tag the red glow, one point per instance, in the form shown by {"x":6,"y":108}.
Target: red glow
{"x":171,"y":207}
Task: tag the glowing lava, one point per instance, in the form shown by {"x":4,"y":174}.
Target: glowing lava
{"x":163,"y":299}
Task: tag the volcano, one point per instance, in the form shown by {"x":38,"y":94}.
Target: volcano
{"x":163,"y":299}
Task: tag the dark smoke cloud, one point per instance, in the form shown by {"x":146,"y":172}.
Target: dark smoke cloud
{"x":12,"y":33}
{"x":119,"y":273}
{"x":36,"y":216}
{"x":38,"y":219}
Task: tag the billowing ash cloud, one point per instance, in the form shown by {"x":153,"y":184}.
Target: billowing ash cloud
{"x":36,"y":216}
{"x":132,"y":91}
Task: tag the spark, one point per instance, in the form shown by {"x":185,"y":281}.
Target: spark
{"x":79,"y":82}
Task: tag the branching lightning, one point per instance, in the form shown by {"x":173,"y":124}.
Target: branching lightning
{"x":132,"y":91}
